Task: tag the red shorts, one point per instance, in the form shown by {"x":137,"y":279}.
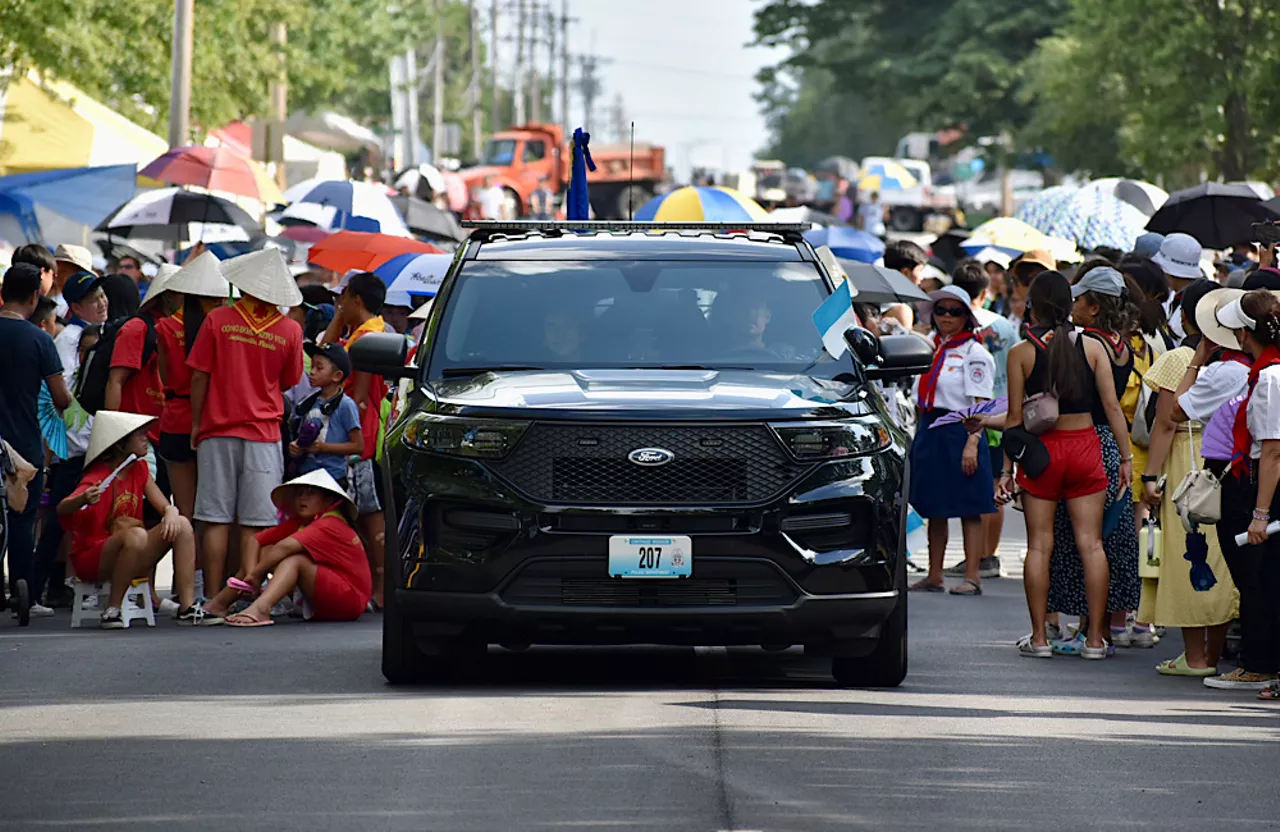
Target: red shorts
{"x":86,"y":559}
{"x":1075,"y":467}
{"x":334,"y":599}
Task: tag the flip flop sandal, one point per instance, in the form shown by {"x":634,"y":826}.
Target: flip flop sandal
{"x":1179,"y":667}
{"x":922,"y":585}
{"x":974,"y":589}
{"x":1270,"y":694}
{"x":243,"y":586}
{"x":247,"y":622}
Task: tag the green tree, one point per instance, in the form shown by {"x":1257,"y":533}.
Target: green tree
{"x":810,"y":119}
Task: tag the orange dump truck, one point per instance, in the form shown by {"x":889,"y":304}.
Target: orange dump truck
{"x":519,"y":158}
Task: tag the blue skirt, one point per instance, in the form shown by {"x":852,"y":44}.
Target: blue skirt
{"x":939,"y":488}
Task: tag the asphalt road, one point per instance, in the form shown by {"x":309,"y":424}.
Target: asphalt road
{"x":292,"y":727}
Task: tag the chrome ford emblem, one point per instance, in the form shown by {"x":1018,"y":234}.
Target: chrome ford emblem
{"x":651,"y":457}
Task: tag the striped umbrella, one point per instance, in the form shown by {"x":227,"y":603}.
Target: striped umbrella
{"x":696,"y":204}
{"x":335,"y":205}
{"x":886,"y":175}
{"x":413,"y":275}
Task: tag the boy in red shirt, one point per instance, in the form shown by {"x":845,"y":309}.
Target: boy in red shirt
{"x":243,"y":360}
{"x":359,"y":313}
{"x":316,"y":550}
{"x":104,"y":517}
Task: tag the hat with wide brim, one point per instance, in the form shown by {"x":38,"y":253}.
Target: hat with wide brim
{"x":284,"y":495}
{"x":1207,"y":317}
{"x":956,"y":294}
{"x":160,"y":283}
{"x":109,"y":427}
{"x":264,"y":275}
{"x":201,"y":276}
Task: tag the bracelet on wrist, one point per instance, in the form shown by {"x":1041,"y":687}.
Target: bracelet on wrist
{"x":1150,"y":478}
{"x":1128,"y":458}
{"x":1261,"y":514}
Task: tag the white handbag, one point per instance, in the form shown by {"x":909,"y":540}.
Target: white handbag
{"x":1198,"y":497}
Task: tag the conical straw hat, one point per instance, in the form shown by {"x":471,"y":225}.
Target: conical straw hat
{"x":161,"y":282}
{"x":264,"y":275}
{"x":201,"y":276}
{"x":109,"y":427}
{"x":283,"y":495}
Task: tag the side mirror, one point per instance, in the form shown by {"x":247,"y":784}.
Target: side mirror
{"x":383,"y":354}
{"x":865,"y":346}
{"x":901,"y":356}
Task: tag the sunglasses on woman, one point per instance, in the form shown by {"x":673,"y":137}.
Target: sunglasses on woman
{"x":950,"y":311}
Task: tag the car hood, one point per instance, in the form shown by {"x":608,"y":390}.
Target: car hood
{"x":674,"y":394}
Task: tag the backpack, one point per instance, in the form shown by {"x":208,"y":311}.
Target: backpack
{"x":1144,"y":418}
{"x":91,"y":380}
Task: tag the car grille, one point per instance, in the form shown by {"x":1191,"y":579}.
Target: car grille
{"x":583,"y":464}
{"x":752,"y":585}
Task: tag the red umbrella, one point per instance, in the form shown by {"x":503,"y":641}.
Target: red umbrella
{"x":347,"y":250}
{"x":214,"y":168}
{"x":305,"y":233}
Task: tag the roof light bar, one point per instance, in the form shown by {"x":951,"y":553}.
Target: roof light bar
{"x":525,"y":226}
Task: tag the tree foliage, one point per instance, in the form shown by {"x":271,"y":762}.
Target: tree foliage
{"x":811,"y":119}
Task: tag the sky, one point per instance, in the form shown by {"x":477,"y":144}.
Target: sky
{"x":684,"y":71}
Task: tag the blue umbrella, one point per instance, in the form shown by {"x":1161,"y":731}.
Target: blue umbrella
{"x":413,"y":275}
{"x":1089,"y":217}
{"x":849,"y":243}
{"x":578,"y":205}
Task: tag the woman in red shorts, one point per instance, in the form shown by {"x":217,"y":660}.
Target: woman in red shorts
{"x":316,"y":550}
{"x":1078,"y":370}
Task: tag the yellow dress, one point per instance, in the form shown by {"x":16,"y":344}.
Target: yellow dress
{"x":1171,"y":601}
{"x":1142,"y":360}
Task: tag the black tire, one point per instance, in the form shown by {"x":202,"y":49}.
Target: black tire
{"x":22,"y":601}
{"x":403,"y":663}
{"x":886,"y":666}
{"x":905,"y":219}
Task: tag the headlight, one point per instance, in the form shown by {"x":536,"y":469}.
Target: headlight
{"x":832,"y":440}
{"x":461,"y":436}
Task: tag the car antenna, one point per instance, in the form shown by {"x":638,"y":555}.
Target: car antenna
{"x":631,"y":175}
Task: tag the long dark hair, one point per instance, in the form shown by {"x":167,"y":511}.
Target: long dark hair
{"x":192,"y":319}
{"x":1050,"y":300}
{"x":1153,"y":291}
{"x":1115,"y":314}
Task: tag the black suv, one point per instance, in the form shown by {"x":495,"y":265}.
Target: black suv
{"x":622,"y":436}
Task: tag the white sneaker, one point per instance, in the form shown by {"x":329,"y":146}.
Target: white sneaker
{"x":41,"y":611}
{"x":170,"y":607}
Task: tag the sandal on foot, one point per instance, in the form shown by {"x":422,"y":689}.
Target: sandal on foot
{"x":1179,"y":667}
{"x":925,"y":585}
{"x":974,"y":588}
{"x":1271,"y":693}
{"x":1068,"y":646}
{"x":1028,"y":650}
{"x":241,"y":619}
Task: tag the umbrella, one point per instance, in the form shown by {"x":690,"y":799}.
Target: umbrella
{"x":886,"y":175}
{"x":850,"y":243}
{"x":426,"y":219}
{"x":413,"y":179}
{"x":1007,"y":234}
{"x":169,"y":213}
{"x":356,"y":206}
{"x":697,"y":204}
{"x":1088,"y":217}
{"x":876,"y":284}
{"x":947,"y":248}
{"x":413,"y":275}
{"x":52,"y":426}
{"x":307,"y":234}
{"x":215,"y":169}
{"x":347,"y":250}
{"x":1042,"y":208}
{"x":1218,"y":216}
{"x":1144,"y":196}
{"x":455,"y":187}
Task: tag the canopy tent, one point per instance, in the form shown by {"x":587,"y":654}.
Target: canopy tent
{"x":47,"y":124}
{"x":84,"y":196}
{"x":332,"y":132}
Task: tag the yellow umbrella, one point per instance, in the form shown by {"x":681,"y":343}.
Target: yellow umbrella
{"x":886,"y":175}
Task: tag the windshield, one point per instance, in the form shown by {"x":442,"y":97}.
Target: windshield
{"x":499,"y":152}
{"x":609,"y":314}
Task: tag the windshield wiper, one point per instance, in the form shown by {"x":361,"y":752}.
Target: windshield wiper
{"x":709,"y":367}
{"x":455,"y":372}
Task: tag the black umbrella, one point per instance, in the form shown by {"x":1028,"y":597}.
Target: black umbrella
{"x":165,"y":214}
{"x":424,"y":218}
{"x":1218,"y":216}
{"x":947,"y":248}
{"x":876,"y":284}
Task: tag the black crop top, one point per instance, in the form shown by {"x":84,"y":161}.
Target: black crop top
{"x":1119,"y":372}
{"x":1037,"y":382}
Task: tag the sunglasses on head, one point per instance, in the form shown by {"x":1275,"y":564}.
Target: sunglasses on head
{"x":950,"y":311}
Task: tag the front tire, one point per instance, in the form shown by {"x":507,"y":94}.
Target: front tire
{"x":402,"y":662}
{"x":886,"y":666}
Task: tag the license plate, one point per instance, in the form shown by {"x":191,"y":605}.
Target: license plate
{"x":650,"y":557}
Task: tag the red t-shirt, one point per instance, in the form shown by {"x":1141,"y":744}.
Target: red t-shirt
{"x":91,"y":526}
{"x":371,"y":417}
{"x":330,"y":542}
{"x":171,"y":344}
{"x":252,"y":354}
{"x":142,"y":392}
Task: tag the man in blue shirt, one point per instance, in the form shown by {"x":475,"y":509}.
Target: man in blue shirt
{"x":29,"y":361}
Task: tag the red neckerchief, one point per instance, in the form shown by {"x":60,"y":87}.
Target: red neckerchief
{"x":929,"y":383}
{"x":1111,"y":339}
{"x":1241,"y":441}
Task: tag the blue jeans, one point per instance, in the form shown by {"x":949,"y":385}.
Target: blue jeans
{"x":22,"y":538}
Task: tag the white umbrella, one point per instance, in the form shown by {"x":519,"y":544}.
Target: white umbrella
{"x":413,"y":177}
{"x":358,"y":206}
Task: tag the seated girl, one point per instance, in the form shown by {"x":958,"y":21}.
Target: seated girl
{"x":104,"y":518}
{"x":316,"y":550}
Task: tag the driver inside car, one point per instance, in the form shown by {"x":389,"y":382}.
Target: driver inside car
{"x":742,"y":320}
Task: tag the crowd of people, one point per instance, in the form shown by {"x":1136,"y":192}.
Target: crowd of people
{"x":1130,"y":408}
{"x":211,"y":413}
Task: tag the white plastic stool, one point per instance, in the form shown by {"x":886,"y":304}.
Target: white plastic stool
{"x":136,"y":605}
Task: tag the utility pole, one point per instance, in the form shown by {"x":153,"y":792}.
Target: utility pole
{"x":590,"y":86}
{"x":413,"y":124}
{"x":535,"y":83}
{"x":551,"y":64}
{"x":180,"y":80}
{"x":476,"y":133}
{"x":518,"y":86}
{"x":619,"y":120}
{"x":279,"y":94}
{"x":495,"y":117}
{"x":564,"y":66}
{"x":437,"y":95}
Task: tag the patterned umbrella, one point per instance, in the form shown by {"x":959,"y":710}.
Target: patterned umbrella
{"x":886,"y":176}
{"x":1089,"y":217}
{"x":693,"y":204}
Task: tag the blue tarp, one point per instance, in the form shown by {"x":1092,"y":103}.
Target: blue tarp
{"x":84,"y":195}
